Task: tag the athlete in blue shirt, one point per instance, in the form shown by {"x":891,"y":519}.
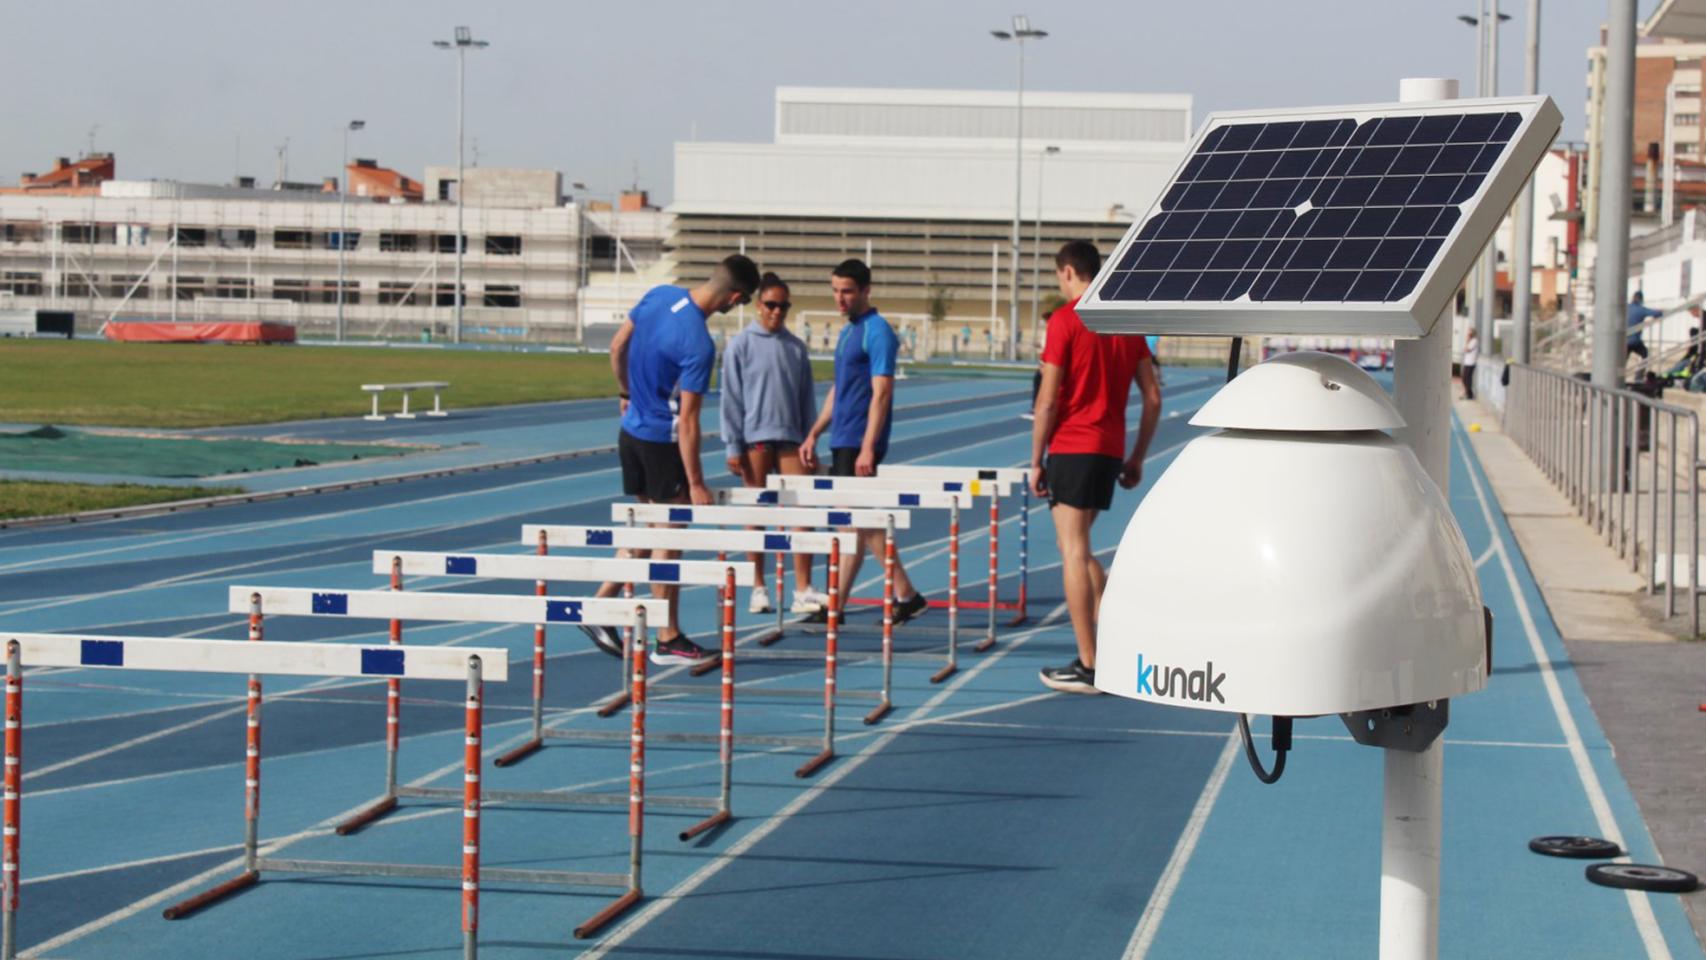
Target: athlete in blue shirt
{"x":857,"y":413}
{"x":663,"y":349}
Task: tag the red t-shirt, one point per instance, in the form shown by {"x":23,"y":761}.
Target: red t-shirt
{"x":1098,"y":370}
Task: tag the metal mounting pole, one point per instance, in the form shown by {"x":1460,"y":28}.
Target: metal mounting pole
{"x":1611,"y":268}
{"x":1522,"y":257}
{"x":1413,"y":795}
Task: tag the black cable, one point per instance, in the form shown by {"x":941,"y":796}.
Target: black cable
{"x":1233,"y":357}
{"x":1281,"y":737}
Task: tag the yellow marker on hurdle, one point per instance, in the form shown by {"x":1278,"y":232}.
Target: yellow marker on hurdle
{"x":1474,"y":428}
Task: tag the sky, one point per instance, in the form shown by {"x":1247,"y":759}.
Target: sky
{"x":203,"y":91}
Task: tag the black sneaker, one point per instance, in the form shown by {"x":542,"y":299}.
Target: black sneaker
{"x":905,"y":610}
{"x":608,"y":639}
{"x":1075,"y":677}
{"x":680,"y":650}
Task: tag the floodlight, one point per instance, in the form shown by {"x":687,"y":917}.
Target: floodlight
{"x":464,"y":36}
{"x":1297,"y":562}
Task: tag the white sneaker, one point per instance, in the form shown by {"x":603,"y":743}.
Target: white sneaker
{"x":760,"y":602}
{"x":809,"y":601}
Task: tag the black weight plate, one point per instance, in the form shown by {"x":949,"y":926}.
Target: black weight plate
{"x":1589,"y":848}
{"x":1640,"y":876}
{"x":1581,"y":848}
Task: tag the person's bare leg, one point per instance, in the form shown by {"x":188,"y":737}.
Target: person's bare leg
{"x":789,"y":463}
{"x":607,"y":590}
{"x":669,"y":593}
{"x":850,"y":563}
{"x":1072,"y":533}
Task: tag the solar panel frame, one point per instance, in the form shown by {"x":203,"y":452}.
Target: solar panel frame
{"x":1474,"y":219}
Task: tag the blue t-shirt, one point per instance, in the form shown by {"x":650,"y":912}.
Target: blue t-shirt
{"x":866,"y":349}
{"x":670,"y":347}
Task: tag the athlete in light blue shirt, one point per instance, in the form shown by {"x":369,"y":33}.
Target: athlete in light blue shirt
{"x":858,"y":411}
{"x":660,"y":349}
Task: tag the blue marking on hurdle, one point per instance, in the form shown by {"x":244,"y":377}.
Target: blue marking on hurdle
{"x":824,"y":484}
{"x":380,"y":661}
{"x":840,"y":518}
{"x":767,"y":496}
{"x":563,"y":611}
{"x":666,"y":572}
{"x":461,"y":565}
{"x":600,"y":538}
{"x":909,"y":499}
{"x":680,"y":514}
{"x":332,"y":603}
{"x":952,"y":486}
{"x":101,"y":653}
{"x":778,"y":541}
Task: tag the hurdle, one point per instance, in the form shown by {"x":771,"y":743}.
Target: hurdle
{"x":467,"y":608}
{"x":951,"y":501}
{"x":541,"y":569}
{"x":1013,"y":477}
{"x":256,"y":658}
{"x":995,"y":490}
{"x":740,"y":541}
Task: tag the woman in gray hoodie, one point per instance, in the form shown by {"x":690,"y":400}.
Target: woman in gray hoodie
{"x":768,"y":405}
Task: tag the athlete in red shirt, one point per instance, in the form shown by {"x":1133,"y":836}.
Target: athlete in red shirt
{"x":1080,"y":421}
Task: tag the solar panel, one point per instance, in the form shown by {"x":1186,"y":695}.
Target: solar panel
{"x":1357,"y":220}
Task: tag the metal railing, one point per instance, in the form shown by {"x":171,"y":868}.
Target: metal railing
{"x":1623,"y":460}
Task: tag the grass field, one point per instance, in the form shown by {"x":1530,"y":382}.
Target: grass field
{"x":190,"y":385}
{"x":26,"y":498}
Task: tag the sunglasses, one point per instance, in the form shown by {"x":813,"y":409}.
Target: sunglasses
{"x":781,"y":307}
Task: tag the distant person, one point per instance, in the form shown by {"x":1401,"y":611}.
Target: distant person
{"x":1689,"y":365}
{"x":1037,"y":377}
{"x":661,"y":348}
{"x":1638,"y":314}
{"x":1080,"y":424}
{"x":858,"y":414}
{"x":1471,"y":358}
{"x":768,"y":405}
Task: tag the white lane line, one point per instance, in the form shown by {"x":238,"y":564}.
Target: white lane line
{"x":844,"y":767}
{"x":134,"y":741}
{"x":1488,"y":554}
{"x":144,"y":862}
{"x":1640,"y":906}
{"x":1159,"y":899}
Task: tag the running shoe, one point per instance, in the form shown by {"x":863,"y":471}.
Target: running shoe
{"x":760,"y":602}
{"x":914,"y":605}
{"x":809,"y":601}
{"x":608,"y":639}
{"x":1075,"y":677}
{"x":680,"y":650}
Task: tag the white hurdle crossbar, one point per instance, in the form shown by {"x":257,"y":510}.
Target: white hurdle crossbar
{"x":257,"y":658}
{"x":1019,"y":477}
{"x":397,"y":606}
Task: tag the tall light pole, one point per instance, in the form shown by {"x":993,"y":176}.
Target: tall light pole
{"x":1617,"y":136}
{"x":464,"y":40}
{"x":1037,"y":253}
{"x":1483,"y":280}
{"x":1522,"y":258}
{"x":1021,"y":32}
{"x":343,"y":229}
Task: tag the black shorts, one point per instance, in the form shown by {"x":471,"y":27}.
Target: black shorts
{"x":651,"y":470}
{"x":1082,"y":480}
{"x":775,"y":447}
{"x":843,"y":461}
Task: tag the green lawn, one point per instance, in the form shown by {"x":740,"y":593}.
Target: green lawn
{"x":27,"y":498}
{"x":200,"y":385}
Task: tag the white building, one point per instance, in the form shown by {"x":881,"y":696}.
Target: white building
{"x":923,"y":182}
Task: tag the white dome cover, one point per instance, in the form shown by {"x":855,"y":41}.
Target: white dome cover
{"x":1301,"y":391}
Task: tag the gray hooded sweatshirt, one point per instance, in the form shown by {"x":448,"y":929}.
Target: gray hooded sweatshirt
{"x":767,"y":389}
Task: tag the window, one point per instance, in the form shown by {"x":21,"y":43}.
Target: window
{"x":78,"y":233}
{"x":1687,"y":149}
{"x":503,"y":246}
{"x":502,"y":295}
{"x":77,"y":285}
{"x":601,"y":247}
{"x":118,"y":285}
{"x":290,"y":239}
{"x":447,"y":242}
{"x":1688,"y":119}
{"x":234,"y":288}
{"x":192,"y":237}
{"x":352,"y":291}
{"x":296,"y":291}
{"x":399,"y":242}
{"x":23,"y":232}
{"x":352,"y":239}
{"x":22,"y":283}
{"x":395,"y":293}
{"x":445,"y":295}
{"x":191,"y":288}
{"x":447,"y":189}
{"x":231,"y":238}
